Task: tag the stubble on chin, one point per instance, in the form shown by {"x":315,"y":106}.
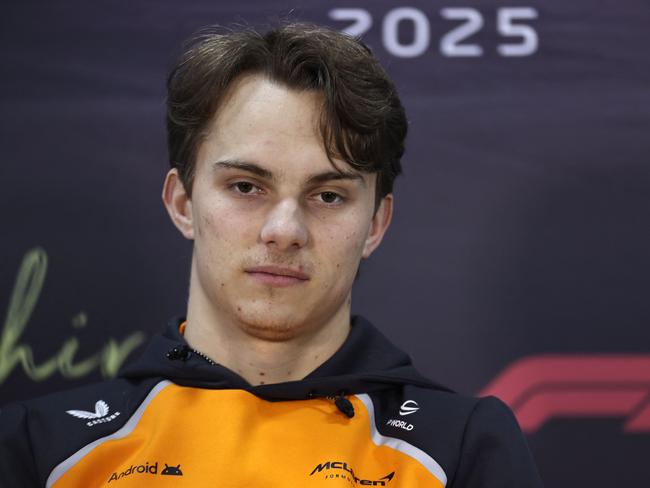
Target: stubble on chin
{"x":269,"y":328}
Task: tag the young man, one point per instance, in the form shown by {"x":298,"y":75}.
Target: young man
{"x":284,"y":148}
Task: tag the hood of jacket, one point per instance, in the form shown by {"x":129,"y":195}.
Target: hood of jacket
{"x":366,"y":362}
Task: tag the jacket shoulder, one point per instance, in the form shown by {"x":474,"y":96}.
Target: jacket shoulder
{"x":494,"y":451}
{"x":475,"y":441}
{"x":36,"y":435}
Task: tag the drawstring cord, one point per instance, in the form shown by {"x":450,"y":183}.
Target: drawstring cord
{"x":340,"y":400}
{"x":344,"y":405}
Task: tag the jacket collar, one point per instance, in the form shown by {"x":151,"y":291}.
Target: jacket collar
{"x":367,"y":361}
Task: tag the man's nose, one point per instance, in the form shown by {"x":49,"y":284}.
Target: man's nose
{"x":284,"y":227}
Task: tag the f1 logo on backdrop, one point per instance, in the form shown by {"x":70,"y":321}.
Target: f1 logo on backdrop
{"x":540,"y":388}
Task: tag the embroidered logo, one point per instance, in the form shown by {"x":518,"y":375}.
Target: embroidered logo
{"x":99,"y":416}
{"x":408,"y":407}
{"x":343,"y":471}
{"x":148,"y":468}
{"x":145,"y":468}
{"x":172,"y":470}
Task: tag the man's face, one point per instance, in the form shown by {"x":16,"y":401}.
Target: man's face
{"x":278,"y":232}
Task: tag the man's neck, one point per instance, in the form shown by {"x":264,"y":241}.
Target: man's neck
{"x":257,"y":360}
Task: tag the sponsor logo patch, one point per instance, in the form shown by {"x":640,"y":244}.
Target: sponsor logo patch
{"x":408,"y":407}
{"x":340,"y":470}
{"x":99,"y":416}
{"x":400,"y":424}
{"x":147,"y":469}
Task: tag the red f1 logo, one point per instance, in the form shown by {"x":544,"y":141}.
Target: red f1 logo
{"x":539,"y":388}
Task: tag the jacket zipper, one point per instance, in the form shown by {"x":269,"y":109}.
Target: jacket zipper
{"x":203,"y":356}
{"x":183,"y":353}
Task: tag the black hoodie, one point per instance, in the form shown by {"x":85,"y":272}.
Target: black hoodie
{"x":365,"y":417}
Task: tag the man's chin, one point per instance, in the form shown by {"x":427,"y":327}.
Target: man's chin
{"x":272,"y":323}
{"x":272,"y":332}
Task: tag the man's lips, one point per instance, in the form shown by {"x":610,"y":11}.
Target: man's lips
{"x":277,"y":275}
{"x":279,"y":271}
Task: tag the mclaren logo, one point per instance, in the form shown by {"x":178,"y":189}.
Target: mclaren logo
{"x":408,"y":407}
{"x":341,"y":470}
{"x":99,"y":416}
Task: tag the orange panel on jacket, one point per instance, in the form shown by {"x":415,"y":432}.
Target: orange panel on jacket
{"x":247,"y":441}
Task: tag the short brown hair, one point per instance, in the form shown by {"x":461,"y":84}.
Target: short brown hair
{"x":362,"y":120}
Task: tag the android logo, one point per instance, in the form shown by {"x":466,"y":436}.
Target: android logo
{"x":172,"y":470}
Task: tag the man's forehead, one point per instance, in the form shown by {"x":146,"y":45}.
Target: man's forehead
{"x":274,"y":131}
{"x":248,"y":95}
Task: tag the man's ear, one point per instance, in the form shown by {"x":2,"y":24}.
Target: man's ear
{"x":178,"y":204}
{"x":379,"y":225}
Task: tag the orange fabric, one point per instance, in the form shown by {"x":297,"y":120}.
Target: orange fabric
{"x":231,"y":438}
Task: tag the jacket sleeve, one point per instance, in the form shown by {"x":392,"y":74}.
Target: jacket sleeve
{"x":17,"y":467}
{"x":494,"y":452}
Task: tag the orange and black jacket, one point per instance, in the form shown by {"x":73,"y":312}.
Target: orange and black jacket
{"x":176,"y":419}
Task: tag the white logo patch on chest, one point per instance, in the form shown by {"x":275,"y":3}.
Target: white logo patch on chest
{"x":99,"y":416}
{"x":408,"y":407}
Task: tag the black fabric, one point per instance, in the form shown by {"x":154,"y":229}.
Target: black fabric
{"x":16,"y":457}
{"x":493,"y":449}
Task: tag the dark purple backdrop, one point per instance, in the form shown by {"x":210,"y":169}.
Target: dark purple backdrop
{"x":521,"y":224}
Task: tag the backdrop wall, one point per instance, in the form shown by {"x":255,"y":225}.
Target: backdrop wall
{"x":517,"y":263}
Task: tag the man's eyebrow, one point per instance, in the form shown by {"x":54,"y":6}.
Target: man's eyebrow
{"x":333,"y":176}
{"x":265,"y":173}
{"x":244,"y":166}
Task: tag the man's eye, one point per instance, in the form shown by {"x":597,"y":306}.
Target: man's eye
{"x":244,"y":187}
{"x":330,"y":197}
